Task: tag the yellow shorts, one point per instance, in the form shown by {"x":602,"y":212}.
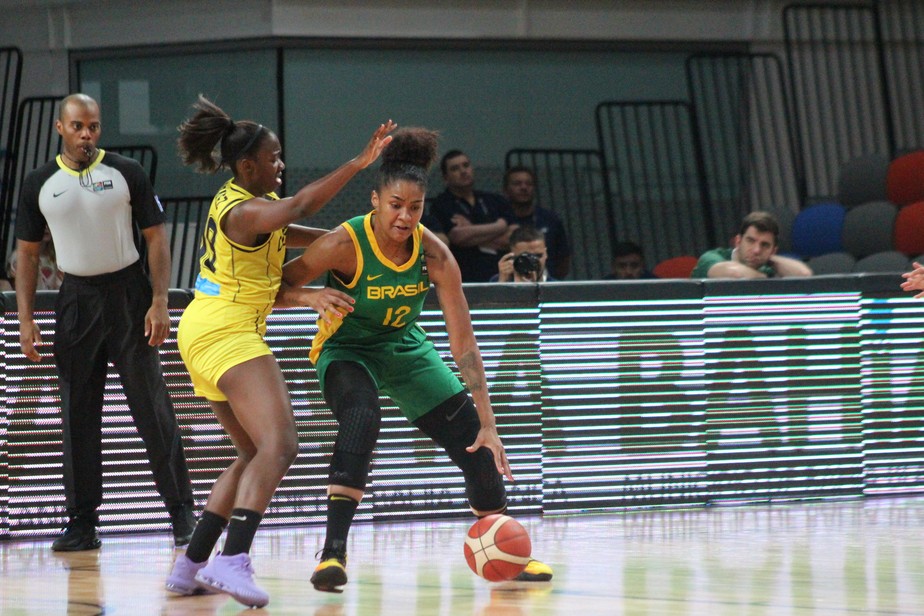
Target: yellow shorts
{"x":215,"y":335}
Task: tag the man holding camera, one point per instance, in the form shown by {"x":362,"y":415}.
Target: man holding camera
{"x":520,"y":190}
{"x":527,"y":258}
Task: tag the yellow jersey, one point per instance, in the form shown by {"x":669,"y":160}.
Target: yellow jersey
{"x":248,"y":275}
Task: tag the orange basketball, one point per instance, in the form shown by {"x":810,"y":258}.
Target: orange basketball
{"x":497,"y":548}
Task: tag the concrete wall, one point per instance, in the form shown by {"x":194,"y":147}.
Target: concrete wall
{"x":46,"y":29}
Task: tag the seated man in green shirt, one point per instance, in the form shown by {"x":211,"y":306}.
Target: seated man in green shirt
{"x":754,"y":254}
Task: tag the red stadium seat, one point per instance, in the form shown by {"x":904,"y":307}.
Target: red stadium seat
{"x":676,"y":267}
{"x":905,"y":179}
{"x":908,"y":236}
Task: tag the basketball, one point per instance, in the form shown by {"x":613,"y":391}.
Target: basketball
{"x":497,"y":548}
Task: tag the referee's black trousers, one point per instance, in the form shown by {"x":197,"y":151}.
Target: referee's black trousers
{"x":100,"y":319}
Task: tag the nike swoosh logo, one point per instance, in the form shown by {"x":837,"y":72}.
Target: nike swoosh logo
{"x":242,"y":518}
{"x":56,"y":195}
{"x":454,"y":413}
{"x":370,"y":277}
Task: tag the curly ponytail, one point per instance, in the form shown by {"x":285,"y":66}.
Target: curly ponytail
{"x":212,"y":129}
{"x":409,"y":156}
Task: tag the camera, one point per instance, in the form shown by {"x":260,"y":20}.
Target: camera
{"x":527,"y":263}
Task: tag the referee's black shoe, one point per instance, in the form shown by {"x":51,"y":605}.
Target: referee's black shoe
{"x":183,"y":523}
{"x":80,"y":534}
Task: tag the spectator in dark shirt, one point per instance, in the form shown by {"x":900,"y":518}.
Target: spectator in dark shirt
{"x":432,"y":223}
{"x":477,"y":223}
{"x":628,"y":263}
{"x":520,"y":190}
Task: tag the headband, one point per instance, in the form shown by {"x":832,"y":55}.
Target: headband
{"x":248,"y":145}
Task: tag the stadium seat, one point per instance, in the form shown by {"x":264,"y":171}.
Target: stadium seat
{"x":868,"y":228}
{"x":818,"y":230}
{"x":908,"y":235}
{"x":863,"y":179}
{"x":905,"y":179}
{"x":832,"y":263}
{"x":887,"y":262}
{"x":676,"y":267}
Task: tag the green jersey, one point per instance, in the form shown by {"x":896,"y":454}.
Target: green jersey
{"x":719,"y":255}
{"x":382,"y":332}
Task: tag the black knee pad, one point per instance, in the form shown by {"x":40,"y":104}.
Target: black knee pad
{"x":353,"y":398}
{"x":356,"y":438}
{"x":454,"y":425}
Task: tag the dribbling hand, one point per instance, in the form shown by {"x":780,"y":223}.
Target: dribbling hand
{"x":488,"y":437}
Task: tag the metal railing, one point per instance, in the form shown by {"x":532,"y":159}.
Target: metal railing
{"x":750,"y":154}
{"x":656,"y":176}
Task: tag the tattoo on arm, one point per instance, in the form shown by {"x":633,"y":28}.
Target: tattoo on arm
{"x":471,"y":374}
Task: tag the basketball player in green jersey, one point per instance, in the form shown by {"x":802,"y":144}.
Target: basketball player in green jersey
{"x":386,"y":261}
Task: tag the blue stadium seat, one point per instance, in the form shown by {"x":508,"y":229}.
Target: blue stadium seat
{"x":818,"y":230}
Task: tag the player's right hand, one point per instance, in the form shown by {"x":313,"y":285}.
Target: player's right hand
{"x":380,"y":139}
{"x":29,"y":336}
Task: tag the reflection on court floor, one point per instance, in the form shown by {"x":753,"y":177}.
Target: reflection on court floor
{"x":849,"y":557}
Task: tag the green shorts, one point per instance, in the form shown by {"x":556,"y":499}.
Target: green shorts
{"x":410,"y":371}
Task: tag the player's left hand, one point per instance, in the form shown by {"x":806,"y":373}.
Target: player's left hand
{"x":488,"y":437}
{"x":157,"y":324}
{"x":327,"y":302}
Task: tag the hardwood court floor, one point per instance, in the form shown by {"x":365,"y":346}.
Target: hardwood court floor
{"x":848,"y":557}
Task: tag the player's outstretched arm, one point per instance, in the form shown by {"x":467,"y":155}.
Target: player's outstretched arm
{"x":260,"y":216}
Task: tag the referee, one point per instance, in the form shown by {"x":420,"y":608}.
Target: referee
{"x":106,"y":311}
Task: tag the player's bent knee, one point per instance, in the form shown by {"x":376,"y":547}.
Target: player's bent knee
{"x":288,"y":452}
{"x":350,"y":469}
{"x":359,"y":429}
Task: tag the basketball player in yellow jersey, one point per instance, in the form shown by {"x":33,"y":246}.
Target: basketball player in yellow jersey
{"x":386,"y":261}
{"x":221,"y":333}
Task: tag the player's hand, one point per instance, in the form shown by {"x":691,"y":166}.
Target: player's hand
{"x":29,"y":337}
{"x":914,"y":280}
{"x":328,"y":303}
{"x":157,"y":324}
{"x":488,"y":437}
{"x":380,"y":139}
